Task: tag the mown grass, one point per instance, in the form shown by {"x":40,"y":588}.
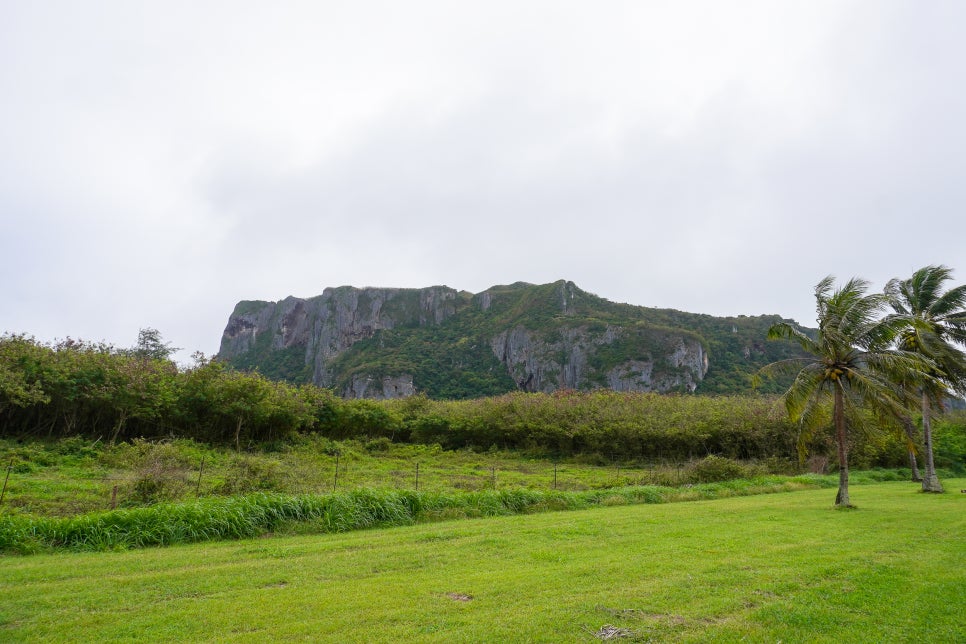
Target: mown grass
{"x":784,"y":567}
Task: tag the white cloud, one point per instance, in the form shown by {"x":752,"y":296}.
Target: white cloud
{"x":160,"y":161}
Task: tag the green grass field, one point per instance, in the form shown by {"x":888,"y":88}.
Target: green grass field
{"x":780,"y":567}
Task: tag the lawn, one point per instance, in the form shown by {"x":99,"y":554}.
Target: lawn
{"x":780,"y":567}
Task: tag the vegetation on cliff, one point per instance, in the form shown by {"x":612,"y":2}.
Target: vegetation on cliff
{"x":452,"y":343}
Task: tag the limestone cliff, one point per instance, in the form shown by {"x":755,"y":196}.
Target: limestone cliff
{"x":321,"y":328}
{"x":566,"y":361}
{"x":393,"y":342}
{"x":387,"y":387}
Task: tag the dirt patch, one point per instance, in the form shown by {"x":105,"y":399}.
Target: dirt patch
{"x":634,"y":613}
{"x":610,"y":632}
{"x":460,"y":597}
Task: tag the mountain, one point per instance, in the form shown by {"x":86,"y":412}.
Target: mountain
{"x":394,"y":342}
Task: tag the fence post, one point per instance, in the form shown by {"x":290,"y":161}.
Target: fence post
{"x":417,"y":476}
{"x":493,"y":474}
{"x":5,"y":479}
{"x":335,"y":480}
{"x":201,"y":469}
{"x":555,"y":476}
{"x":114,"y":497}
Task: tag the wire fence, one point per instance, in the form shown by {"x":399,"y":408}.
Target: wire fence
{"x":155,"y":482}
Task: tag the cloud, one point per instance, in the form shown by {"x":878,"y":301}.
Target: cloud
{"x":161,"y":161}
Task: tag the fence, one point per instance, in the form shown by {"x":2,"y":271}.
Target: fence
{"x":50,"y":492}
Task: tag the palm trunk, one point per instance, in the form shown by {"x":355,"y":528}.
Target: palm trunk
{"x":930,"y":482}
{"x":842,"y":498}
{"x":914,"y":466}
{"x":911,"y":435}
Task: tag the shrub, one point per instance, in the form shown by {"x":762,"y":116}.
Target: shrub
{"x":949,"y":436}
{"x":376,"y":445}
{"x":78,"y":447}
{"x":246,"y":474}
{"x":715,"y":468}
{"x":162,"y":473}
{"x":779,"y":465}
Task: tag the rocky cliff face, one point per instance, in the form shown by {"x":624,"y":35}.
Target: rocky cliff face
{"x":537,"y":364}
{"x":390,"y":342}
{"x":385,"y":388}
{"x":689,"y":358}
{"x":322,"y":328}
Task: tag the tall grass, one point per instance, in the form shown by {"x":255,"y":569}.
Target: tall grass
{"x":260,"y":513}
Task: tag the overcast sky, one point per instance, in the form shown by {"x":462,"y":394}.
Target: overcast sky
{"x":160,"y":161}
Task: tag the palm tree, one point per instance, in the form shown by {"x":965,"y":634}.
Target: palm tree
{"x":852,"y":365}
{"x":908,"y":433}
{"x":934,"y":323}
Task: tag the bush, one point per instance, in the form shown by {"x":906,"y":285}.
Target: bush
{"x":162,"y":473}
{"x":316,"y":443}
{"x":377,"y":445}
{"x":779,"y":465}
{"x":78,"y":447}
{"x":715,"y":468}
{"x":949,"y":438}
{"x":247,"y":474}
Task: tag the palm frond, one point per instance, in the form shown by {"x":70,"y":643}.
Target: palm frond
{"x":807,"y":385}
{"x":786,"y":331}
{"x":815,"y":415}
{"x":925,"y":286}
{"x":934,"y":322}
{"x":776,"y":369}
{"x":822,"y":290}
{"x":894,"y":289}
{"x":949,"y":304}
{"x":877,"y":393}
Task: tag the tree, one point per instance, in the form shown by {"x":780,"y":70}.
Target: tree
{"x":15,"y":389}
{"x":150,"y":345}
{"x":136,"y":389}
{"x":851,"y":365}
{"x":935,"y":322}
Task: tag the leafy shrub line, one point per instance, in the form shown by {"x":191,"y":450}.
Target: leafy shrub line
{"x":74,"y":388}
{"x":260,"y":513}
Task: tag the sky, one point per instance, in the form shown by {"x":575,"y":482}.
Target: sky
{"x":162,"y":160}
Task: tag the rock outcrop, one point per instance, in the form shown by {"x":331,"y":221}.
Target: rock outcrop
{"x":393,"y":342}
{"x":562,"y":363}
{"x":385,"y":388}
{"x":324,"y":327}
